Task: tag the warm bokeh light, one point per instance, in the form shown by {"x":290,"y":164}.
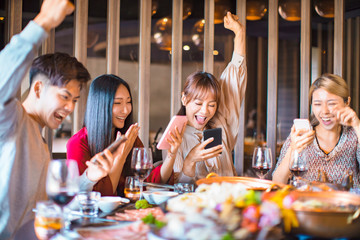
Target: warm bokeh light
{"x":198,"y":34}
{"x":325,"y":8}
{"x":255,"y":9}
{"x":162,"y":33}
{"x":290,"y":10}
{"x":186,"y":47}
{"x":216,"y":52}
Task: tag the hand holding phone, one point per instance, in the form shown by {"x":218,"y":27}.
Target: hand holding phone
{"x":215,"y":133}
{"x":303,"y":124}
{"x":112,"y":147}
{"x":177,"y":121}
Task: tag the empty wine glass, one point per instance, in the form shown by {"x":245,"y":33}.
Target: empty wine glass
{"x":141,"y":164}
{"x":298,"y":166}
{"x":262,"y":161}
{"x":62,"y":182}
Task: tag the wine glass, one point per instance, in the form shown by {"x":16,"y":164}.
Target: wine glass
{"x":298,"y":166}
{"x":62,"y":182}
{"x":262,"y":161}
{"x":141,"y":164}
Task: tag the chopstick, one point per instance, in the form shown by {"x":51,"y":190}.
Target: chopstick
{"x":159,"y":185}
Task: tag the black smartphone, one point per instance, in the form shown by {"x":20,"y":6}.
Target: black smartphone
{"x":216,"y":133}
{"x":112,"y":147}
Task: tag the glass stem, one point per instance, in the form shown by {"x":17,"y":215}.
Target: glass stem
{"x":141,"y":187}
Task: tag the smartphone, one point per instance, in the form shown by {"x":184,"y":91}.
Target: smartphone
{"x":301,"y":123}
{"x":216,"y":133}
{"x":112,"y":147}
{"x":176,"y":120}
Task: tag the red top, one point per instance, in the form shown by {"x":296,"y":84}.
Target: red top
{"x":78,"y":150}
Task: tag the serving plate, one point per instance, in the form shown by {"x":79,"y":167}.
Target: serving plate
{"x":328,"y":223}
{"x":248,"y":182}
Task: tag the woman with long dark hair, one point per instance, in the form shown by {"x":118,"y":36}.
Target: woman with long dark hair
{"x":108,"y":114}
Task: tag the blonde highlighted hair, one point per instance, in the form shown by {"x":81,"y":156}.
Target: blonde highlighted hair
{"x":333,"y":84}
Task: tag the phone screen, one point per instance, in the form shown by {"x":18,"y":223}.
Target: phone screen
{"x":216,"y":133}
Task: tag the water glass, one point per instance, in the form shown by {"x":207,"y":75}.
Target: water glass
{"x":89,"y":203}
{"x":183,"y":187}
{"x":132,"y":188}
{"x":48,"y":220}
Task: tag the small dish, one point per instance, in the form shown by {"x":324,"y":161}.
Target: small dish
{"x":159,"y":196}
{"x":109,"y":203}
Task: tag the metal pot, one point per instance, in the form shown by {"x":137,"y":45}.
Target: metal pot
{"x":328,"y":223}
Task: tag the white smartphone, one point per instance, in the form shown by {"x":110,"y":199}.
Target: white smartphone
{"x":302,"y":123}
{"x":178,"y":121}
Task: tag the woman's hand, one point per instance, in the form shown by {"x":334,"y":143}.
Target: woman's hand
{"x":175,"y":141}
{"x":347,"y":117}
{"x":199,"y":154}
{"x":232,"y":23}
{"x":300,"y":139}
{"x":99,"y":166}
{"x":131,"y":135}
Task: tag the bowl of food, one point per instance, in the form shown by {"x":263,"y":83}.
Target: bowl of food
{"x":158,"y":197}
{"x":327,"y":214}
{"x":109,"y":203}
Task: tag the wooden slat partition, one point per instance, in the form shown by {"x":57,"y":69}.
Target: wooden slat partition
{"x":330,"y":47}
{"x":112,"y":37}
{"x":305,"y":57}
{"x":349,"y":49}
{"x":260,"y":87}
{"x":273,"y":45}
{"x":239,"y":147}
{"x":357,"y":66}
{"x":80,"y":52}
{"x":14,"y":23}
{"x":14,"y":18}
{"x":319,"y":44}
{"x":209,"y":36}
{"x":339,"y":38}
{"x":176,"y":55}
{"x":144,"y":70}
{"x":48,"y":46}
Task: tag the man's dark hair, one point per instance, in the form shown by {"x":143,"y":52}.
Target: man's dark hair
{"x":60,"y":68}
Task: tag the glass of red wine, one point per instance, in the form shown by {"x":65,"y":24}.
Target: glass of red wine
{"x":262,"y":161}
{"x":62,"y":182}
{"x":298,"y":166}
{"x":141,"y":164}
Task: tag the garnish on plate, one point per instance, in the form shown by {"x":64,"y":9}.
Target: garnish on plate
{"x":150,"y":219}
{"x":142,"y":204}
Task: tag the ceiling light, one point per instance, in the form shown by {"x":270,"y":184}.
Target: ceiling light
{"x":290,"y":10}
{"x":255,"y":9}
{"x":325,"y":8}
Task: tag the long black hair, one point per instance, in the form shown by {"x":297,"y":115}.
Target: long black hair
{"x":98,"y":115}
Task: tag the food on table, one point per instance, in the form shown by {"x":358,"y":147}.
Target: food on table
{"x":137,"y":230}
{"x":227,"y":210}
{"x":138,"y":214}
